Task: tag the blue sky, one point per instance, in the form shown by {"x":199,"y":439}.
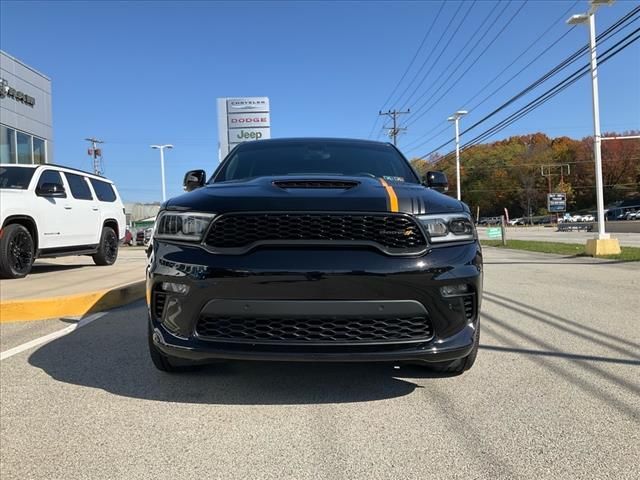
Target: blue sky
{"x":137,"y":73}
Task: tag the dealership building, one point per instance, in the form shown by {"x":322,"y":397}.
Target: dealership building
{"x":26,"y":131}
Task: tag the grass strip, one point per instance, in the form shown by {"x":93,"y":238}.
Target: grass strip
{"x":629,"y":254}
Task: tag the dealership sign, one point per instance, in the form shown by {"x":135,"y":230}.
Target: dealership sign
{"x":557,"y":202}
{"x":242,"y":120}
{"x":8,"y":91}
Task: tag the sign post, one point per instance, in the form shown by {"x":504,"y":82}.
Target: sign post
{"x":557,"y":202}
{"x":241,"y":120}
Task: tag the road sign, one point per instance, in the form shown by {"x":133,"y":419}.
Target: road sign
{"x":494,"y":233}
{"x":557,"y":202}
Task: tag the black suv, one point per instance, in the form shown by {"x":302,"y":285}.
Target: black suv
{"x":314,"y":250}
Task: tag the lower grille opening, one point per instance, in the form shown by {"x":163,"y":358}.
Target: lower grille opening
{"x":469,"y":312}
{"x":159,"y":300}
{"x":314,"y":330}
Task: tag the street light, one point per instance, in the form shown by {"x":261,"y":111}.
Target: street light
{"x":161,"y":148}
{"x":602,"y":244}
{"x":456,"y":118}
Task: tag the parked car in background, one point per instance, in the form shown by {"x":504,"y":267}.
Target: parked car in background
{"x":143,"y":236}
{"x":588,"y":218}
{"x":517,"y":221}
{"x":128,"y":238}
{"x":489,"y":220}
{"x":632,"y":215}
{"x":50,"y":211}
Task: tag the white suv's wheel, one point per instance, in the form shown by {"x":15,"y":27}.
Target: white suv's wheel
{"x":108,"y":248}
{"x":16,"y":252}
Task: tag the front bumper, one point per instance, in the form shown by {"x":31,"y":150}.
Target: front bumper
{"x":326,"y":286}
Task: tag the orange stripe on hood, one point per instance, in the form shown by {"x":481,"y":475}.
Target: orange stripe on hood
{"x":393,"y":199}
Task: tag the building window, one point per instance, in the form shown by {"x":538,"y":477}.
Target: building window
{"x":39,"y":154}
{"x":7,"y":145}
{"x":24,"y":148}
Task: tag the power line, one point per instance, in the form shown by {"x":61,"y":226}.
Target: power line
{"x":519,"y":189}
{"x":582,"y":71}
{"x":491,"y":82}
{"x":556,"y":89}
{"x":435,"y":48}
{"x":448,"y":43}
{"x":424,"y":39}
{"x":565,"y":63}
{"x":461,"y":76}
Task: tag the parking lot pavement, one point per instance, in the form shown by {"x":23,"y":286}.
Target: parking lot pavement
{"x":554,"y":394}
{"x":549,"y":234}
{"x":53,"y":277}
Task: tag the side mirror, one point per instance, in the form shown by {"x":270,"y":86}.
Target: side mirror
{"x":55,"y":190}
{"x":194,"y":179}
{"x":437,"y":180}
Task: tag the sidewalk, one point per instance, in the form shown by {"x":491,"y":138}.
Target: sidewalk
{"x":69,"y":286}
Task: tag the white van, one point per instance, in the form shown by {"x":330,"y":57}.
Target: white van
{"x":51,"y":211}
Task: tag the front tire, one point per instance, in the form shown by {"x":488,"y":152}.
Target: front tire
{"x":108,"y":248}
{"x":16,"y":252}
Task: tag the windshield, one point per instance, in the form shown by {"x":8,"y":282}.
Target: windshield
{"x":15,"y":178}
{"x":316,"y":158}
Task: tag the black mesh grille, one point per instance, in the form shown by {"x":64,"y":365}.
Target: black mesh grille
{"x":314,"y":330}
{"x":468,"y":307}
{"x":392,"y":233}
{"x":340,"y":184}
{"x":159,"y":300}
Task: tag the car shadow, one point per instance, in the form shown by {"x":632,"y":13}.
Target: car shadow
{"x":111,"y":354}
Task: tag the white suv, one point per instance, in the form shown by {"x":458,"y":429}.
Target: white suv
{"x":51,"y":211}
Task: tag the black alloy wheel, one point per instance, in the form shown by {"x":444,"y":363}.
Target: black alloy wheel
{"x":108,"y":248}
{"x":16,"y":252}
{"x":111,"y":247}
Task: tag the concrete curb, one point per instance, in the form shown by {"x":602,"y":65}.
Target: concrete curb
{"x":83,"y":304}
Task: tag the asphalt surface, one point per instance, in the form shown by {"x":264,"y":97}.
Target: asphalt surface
{"x":554,"y":394}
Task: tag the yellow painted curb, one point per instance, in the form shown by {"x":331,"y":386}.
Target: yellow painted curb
{"x":26,"y":310}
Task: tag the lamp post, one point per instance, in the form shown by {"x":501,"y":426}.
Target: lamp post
{"x":456,"y":119}
{"x":161,"y":148}
{"x":602,"y":244}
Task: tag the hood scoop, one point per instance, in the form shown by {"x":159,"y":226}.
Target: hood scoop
{"x":315,"y":184}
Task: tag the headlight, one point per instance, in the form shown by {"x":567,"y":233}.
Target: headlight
{"x":448,"y":227}
{"x":188,"y":227}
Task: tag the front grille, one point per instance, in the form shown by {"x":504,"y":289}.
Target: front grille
{"x":395,"y":234}
{"x":314,"y":330}
{"x":159,"y":300}
{"x":339,"y":184}
{"x":468,"y":307}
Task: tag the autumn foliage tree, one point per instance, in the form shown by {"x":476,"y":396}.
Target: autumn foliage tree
{"x":509,"y":173}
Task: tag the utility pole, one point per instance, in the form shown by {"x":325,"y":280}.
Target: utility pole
{"x":548,"y":173}
{"x":395,"y":130}
{"x":456,"y":119}
{"x":603,"y":244}
{"x":96,"y":153}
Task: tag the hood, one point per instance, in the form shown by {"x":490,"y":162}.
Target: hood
{"x":315,"y":193}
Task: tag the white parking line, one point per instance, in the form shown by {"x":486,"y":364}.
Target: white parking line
{"x":52,"y":336}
